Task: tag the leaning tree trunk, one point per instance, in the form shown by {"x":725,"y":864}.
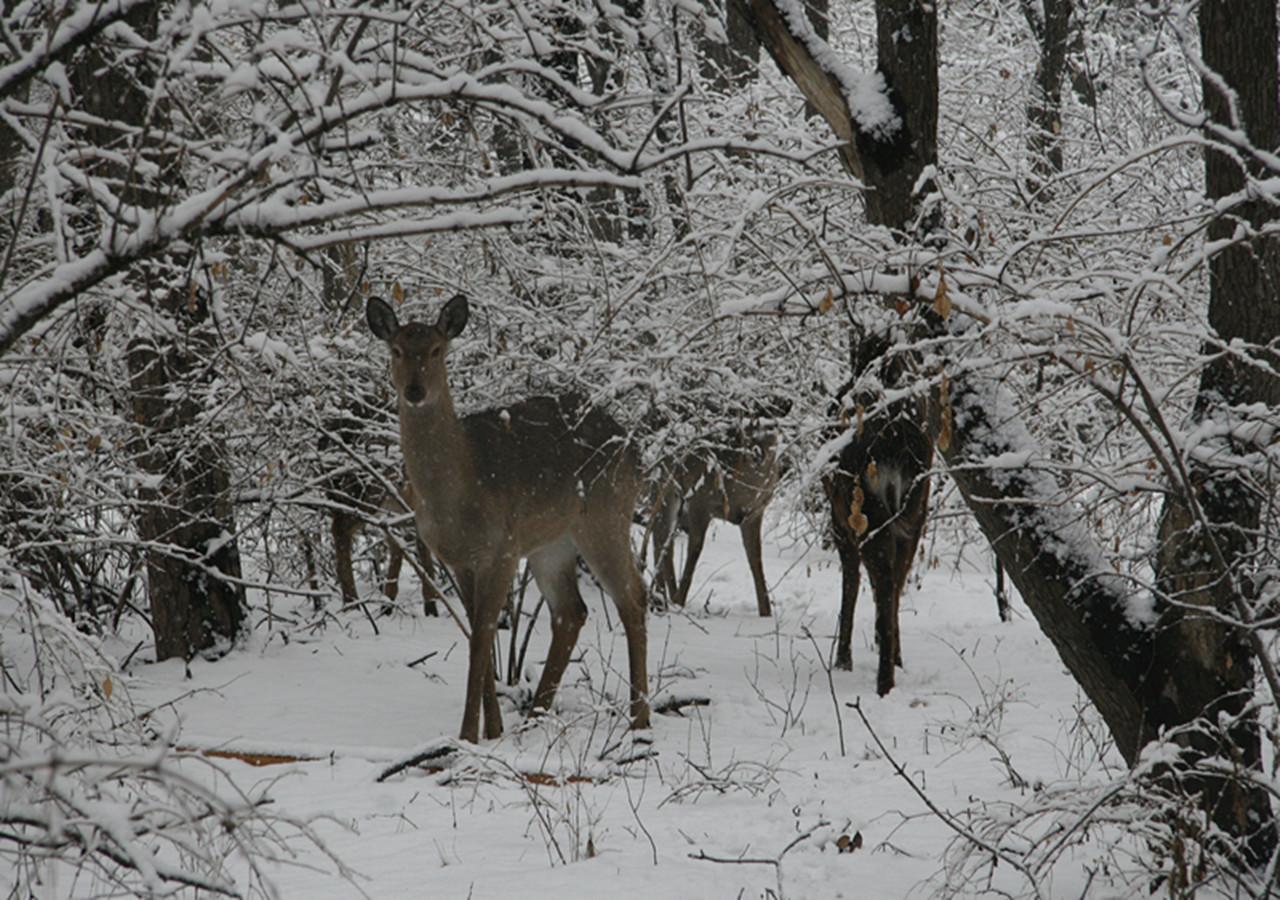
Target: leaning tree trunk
{"x":185,"y":520}
{"x":1143,"y":679}
{"x":888,"y":161}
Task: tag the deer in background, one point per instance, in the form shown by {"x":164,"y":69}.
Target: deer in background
{"x":358,"y":495}
{"x":733,"y":479}
{"x":545,"y":479}
{"x":879,"y":496}
{"x":347,"y":524}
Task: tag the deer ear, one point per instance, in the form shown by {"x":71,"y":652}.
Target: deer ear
{"x":453,"y":318}
{"x":381,"y":319}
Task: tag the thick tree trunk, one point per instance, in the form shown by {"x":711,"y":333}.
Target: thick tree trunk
{"x":185,"y":521}
{"x":1210,"y":523}
{"x":888,"y":160}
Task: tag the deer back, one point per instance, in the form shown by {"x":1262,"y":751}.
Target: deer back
{"x":732,"y":479}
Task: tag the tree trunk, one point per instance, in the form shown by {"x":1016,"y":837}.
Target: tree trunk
{"x":1209,"y":525}
{"x":1050,"y":22}
{"x":186,"y":521}
{"x":728,"y":66}
{"x":889,"y":160}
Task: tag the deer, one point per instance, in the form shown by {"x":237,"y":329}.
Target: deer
{"x":358,"y":494}
{"x":545,"y":479}
{"x":347,"y":524}
{"x":732,"y":480}
{"x":879,"y":498}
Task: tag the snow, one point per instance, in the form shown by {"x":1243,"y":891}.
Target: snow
{"x":756,"y":774}
{"x":866,"y":93}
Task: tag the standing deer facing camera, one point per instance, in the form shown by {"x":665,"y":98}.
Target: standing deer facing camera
{"x":544,"y":479}
{"x":879,"y":496}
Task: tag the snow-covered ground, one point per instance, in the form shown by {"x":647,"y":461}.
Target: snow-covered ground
{"x":757,"y":779}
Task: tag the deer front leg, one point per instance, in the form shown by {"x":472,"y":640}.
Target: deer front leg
{"x":488,"y":591}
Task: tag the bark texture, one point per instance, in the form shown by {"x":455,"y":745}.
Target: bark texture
{"x":1209,"y":524}
{"x":185,"y":518}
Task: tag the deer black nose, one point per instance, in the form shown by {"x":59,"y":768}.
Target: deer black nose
{"x":414,"y":394}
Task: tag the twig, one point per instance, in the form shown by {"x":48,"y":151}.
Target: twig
{"x":437,"y":752}
{"x":674,"y":705}
{"x":831,"y":685}
{"x":945,"y":817}
{"x":702,"y":856}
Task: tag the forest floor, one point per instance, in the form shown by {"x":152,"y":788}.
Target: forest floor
{"x":775,"y":787}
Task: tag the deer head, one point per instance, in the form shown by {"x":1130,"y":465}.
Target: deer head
{"x":418,"y":350}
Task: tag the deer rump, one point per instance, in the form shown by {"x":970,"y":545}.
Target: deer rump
{"x":879,"y":497}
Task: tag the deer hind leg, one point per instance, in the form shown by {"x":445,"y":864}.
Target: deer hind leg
{"x":665,"y":518}
{"x":915,"y":517}
{"x":878,"y":554}
{"x":344,"y":527}
{"x":395,"y":561}
{"x":750,"y":528}
{"x":839,"y":488}
{"x":850,"y":582}
{"x":484,"y":593}
{"x":698,"y":525}
{"x":607,"y":551}
{"x":886,"y":630}
{"x":555,"y":571}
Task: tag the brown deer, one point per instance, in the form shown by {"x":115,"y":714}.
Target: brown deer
{"x":394,"y":504}
{"x":879,"y":496}
{"x":545,"y":479}
{"x":358,"y":495}
{"x":733,"y":480}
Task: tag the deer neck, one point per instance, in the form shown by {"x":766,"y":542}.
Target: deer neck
{"x":437,"y":456}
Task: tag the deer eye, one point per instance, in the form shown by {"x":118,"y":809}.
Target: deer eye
{"x":396,"y":352}
{"x":437,"y":352}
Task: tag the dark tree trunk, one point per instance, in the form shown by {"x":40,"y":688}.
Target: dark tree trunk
{"x":186,"y":521}
{"x":1209,"y":524}
{"x":907,"y":52}
{"x":1050,"y":22}
{"x":728,"y":66}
